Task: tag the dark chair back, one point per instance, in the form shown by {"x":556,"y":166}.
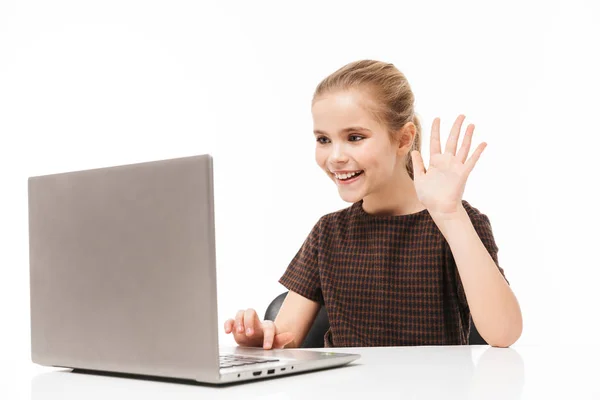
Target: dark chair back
{"x":315,"y":336}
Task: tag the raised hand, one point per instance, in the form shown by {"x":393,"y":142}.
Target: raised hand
{"x":440,"y":188}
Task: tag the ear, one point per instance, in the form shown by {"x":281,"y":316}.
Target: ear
{"x":406,"y":136}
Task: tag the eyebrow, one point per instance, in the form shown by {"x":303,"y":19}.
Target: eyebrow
{"x":345,"y":130}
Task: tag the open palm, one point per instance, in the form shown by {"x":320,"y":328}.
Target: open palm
{"x":440,"y":188}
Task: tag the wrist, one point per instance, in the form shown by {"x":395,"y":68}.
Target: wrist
{"x":447,"y":222}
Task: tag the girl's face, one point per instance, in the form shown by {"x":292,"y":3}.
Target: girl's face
{"x":353,"y":149}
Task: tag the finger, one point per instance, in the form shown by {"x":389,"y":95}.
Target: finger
{"x":463,"y":152}
{"x":417,"y":162}
{"x":239,"y":321}
{"x":435,"y":146}
{"x":282,"y":339}
{"x":454,"y":134}
{"x":470,"y":164}
{"x":250,"y":318}
{"x":268,"y":334}
{"x":229,"y":325}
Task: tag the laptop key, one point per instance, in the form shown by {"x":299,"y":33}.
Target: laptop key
{"x":228,"y":361}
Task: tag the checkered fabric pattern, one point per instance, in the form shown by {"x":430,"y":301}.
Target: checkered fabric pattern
{"x":385,"y":280}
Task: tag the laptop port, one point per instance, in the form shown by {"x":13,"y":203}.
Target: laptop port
{"x":271,"y":371}
{"x":257,"y":373}
{"x":283,"y":369}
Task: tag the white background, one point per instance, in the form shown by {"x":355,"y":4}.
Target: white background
{"x":101,"y":83}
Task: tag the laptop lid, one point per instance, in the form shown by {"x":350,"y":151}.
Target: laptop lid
{"x":122,"y":269}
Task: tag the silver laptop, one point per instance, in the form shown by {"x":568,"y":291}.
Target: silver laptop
{"x":123,"y":277}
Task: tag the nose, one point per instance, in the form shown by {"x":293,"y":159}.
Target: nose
{"x":338,"y":155}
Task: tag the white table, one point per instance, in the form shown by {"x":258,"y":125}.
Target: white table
{"x":448,"y":372}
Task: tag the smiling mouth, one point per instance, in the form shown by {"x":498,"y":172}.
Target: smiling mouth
{"x":352,"y":178}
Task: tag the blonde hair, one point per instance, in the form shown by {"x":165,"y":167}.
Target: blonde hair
{"x":392,"y":99}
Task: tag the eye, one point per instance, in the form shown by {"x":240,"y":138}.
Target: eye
{"x":356,"y":136}
{"x":320,"y":141}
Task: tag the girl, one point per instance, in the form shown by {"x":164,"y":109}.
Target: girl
{"x":409,"y":262}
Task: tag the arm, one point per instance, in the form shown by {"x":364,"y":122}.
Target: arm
{"x":494,"y":307}
{"x":296,"y":315}
{"x":302,"y":279}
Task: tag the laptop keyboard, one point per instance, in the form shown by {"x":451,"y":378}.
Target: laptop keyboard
{"x":231,"y":360}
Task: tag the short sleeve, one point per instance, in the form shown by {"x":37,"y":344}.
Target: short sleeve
{"x":302,"y":274}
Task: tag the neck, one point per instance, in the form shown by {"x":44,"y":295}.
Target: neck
{"x":398,"y":198}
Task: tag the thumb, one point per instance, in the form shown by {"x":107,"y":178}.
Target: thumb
{"x":282,"y":339}
{"x":417,"y":162}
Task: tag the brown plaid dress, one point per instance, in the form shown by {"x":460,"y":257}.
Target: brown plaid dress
{"x":385,"y":280}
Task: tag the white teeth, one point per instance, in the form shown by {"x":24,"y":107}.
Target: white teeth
{"x":346,"y":176}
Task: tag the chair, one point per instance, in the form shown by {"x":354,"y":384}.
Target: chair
{"x":315,"y":336}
